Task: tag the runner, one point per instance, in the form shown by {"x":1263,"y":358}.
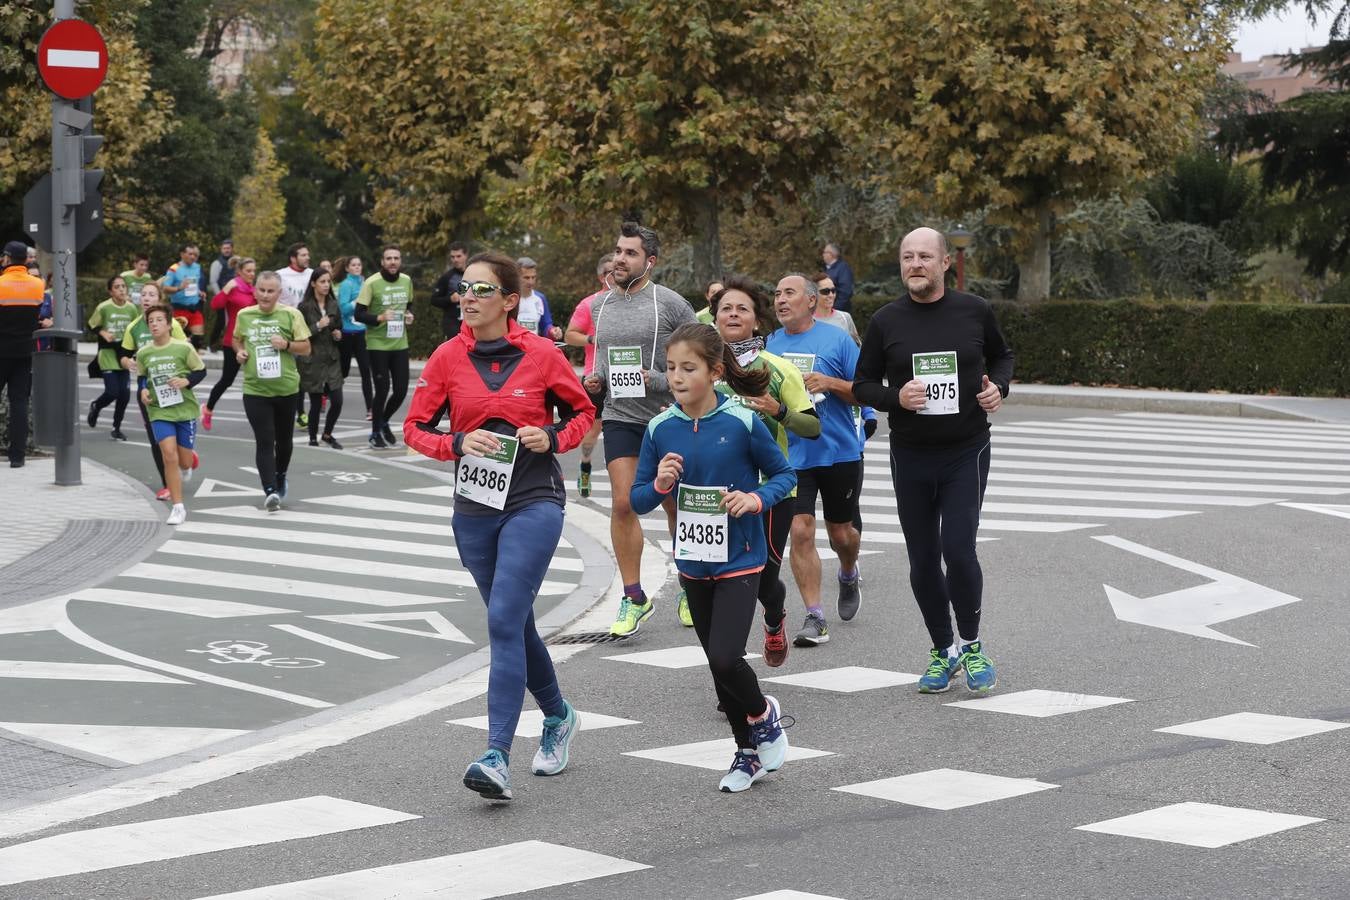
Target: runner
{"x":321,"y":371}
{"x":353,"y":344}
{"x":633,"y":321}
{"x":267,"y":338}
{"x":220,"y":273}
{"x":742,"y":316}
{"x":936,"y":361}
{"x":110,"y":320}
{"x":828,"y":466}
{"x":136,"y":337}
{"x":725,"y":470}
{"x":167,"y":370}
{"x":581,"y":333}
{"x":237,"y":295}
{"x":826,"y":312}
{"x":385,"y":307}
{"x":707,"y":314}
{"x":182,"y":284}
{"x":295,"y":276}
{"x":499,"y":384}
{"x":535,"y":314}
{"x":137,"y":276}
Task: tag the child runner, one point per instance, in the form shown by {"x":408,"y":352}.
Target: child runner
{"x":136,"y":337}
{"x":167,"y":371}
{"x":110,"y":321}
{"x":712,"y":453}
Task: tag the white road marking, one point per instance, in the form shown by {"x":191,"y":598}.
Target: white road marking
{"x":68,"y":671}
{"x":1199,"y":824}
{"x":336,"y":644}
{"x":441,"y":629}
{"x":1253,"y":728}
{"x":365,"y":524}
{"x":1039,"y":704}
{"x":715,"y":755}
{"x":174,"y":603}
{"x":1002,"y":438}
{"x":131,"y":744}
{"x":383,"y":505}
{"x":1041,"y":453}
{"x":286,"y":586}
{"x":531,"y":722}
{"x":946,"y":788}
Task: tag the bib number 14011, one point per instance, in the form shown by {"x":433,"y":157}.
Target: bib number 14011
{"x":487,"y":479}
{"x":700,"y":524}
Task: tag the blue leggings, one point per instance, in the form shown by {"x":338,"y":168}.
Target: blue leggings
{"x":524,"y":541}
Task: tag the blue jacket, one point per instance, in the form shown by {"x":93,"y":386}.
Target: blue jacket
{"x":349,"y":289}
{"x":729,"y":447}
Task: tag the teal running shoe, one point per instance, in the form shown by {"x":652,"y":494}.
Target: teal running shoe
{"x":980,"y":676}
{"x":941,"y":669}
{"x":489,"y":776}
{"x":555,"y":742}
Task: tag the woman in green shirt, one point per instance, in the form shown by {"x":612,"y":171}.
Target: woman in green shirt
{"x":168,"y":370}
{"x":267,"y":339}
{"x":110,"y":321}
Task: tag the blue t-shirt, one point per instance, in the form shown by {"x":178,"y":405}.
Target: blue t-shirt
{"x":830,"y":351}
{"x":190,"y":279}
{"x":348,"y":290}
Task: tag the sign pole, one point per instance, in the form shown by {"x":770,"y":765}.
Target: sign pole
{"x":67,"y":195}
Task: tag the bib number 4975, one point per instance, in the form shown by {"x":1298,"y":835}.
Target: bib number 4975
{"x":938,"y":373}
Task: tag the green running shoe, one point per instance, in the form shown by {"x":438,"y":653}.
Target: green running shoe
{"x":980,"y":676}
{"x":631,"y":617}
{"x":584,"y":480}
{"x":682,"y":608}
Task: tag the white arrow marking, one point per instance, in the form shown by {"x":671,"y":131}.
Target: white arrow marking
{"x":1342,"y":512}
{"x":1191,"y":610}
{"x":442,"y":630}
{"x":212,"y":487}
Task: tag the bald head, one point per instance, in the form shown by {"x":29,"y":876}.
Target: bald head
{"x":929,"y":237}
{"x":923,"y":264}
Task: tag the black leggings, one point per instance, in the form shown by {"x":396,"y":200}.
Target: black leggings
{"x":939,"y":494}
{"x":334,"y":410}
{"x":116,"y":389}
{"x":227,"y":375}
{"x":723,"y":610}
{"x":772,"y":591}
{"x":154,"y":444}
{"x":272,"y":419}
{"x":387,"y":366}
{"x":353,"y":346}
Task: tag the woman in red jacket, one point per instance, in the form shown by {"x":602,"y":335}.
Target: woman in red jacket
{"x":499,"y":385}
{"x":237,"y":294}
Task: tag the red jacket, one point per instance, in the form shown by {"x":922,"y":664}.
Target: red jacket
{"x":238,"y":297}
{"x":537,"y":380}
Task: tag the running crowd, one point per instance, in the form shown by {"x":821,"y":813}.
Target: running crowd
{"x":740,"y":421}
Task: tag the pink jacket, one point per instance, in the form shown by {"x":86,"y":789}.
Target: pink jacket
{"x":239,"y":296}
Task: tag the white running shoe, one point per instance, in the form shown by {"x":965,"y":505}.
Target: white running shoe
{"x":272,"y":503}
{"x":177,"y":515}
{"x":186,"y":475}
{"x":555,"y":742}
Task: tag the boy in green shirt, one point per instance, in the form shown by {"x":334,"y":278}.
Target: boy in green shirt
{"x":168,"y":370}
{"x":110,"y":321}
{"x":138,"y":276}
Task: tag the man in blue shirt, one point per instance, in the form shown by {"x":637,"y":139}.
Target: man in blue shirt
{"x":841,"y":273}
{"x":828,"y":466}
{"x":183,"y":284}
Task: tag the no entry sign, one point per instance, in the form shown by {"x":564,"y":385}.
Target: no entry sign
{"x":73,"y":59}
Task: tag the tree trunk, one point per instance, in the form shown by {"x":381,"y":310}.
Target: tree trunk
{"x":701,"y":221}
{"x":1033,"y":265}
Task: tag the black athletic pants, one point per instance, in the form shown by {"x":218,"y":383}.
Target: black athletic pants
{"x":939,"y":494}
{"x":772,"y":591}
{"x":334,"y":410}
{"x":723,"y":610}
{"x":229,"y":370}
{"x":389,"y":369}
{"x":116,"y":390}
{"x":353,"y":346}
{"x":273,"y":423}
{"x":16,"y":374}
{"x":154,"y":443}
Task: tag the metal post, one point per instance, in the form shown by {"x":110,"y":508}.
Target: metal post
{"x":67,"y":194}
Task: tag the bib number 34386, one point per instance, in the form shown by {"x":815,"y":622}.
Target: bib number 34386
{"x":625,"y":373}
{"x":700,"y":524}
{"x":487,"y":479}
{"x":938,"y":373}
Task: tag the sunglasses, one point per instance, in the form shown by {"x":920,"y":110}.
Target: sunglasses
{"x":480,"y":289}
{"x":828,"y":290}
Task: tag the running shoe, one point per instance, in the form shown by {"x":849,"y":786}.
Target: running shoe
{"x":185,"y":474}
{"x":489,"y":776}
{"x":177,"y":515}
{"x":283,"y":488}
{"x":813,"y":633}
{"x":314,"y":442}
{"x":162,"y":494}
{"x":775,"y":645}
{"x":850,"y":596}
{"x":980,"y":676}
{"x":941,"y":669}
{"x":196,"y":460}
{"x":206,"y":418}
{"x":301,"y":420}
{"x":745,"y":770}
{"x":117,"y":435}
{"x":377,"y":442}
{"x":770,"y":739}
{"x":682,"y":610}
{"x":93,"y":414}
{"x":554,"y":743}
{"x":388,"y":434}
{"x":367,"y":415}
{"x":272,"y":502}
{"x":584,"y":480}
{"x":631,"y":617}
{"x":331,"y":441}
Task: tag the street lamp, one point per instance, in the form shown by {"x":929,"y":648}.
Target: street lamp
{"x":960,"y":238}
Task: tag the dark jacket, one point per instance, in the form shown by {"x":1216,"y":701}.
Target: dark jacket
{"x":446,"y":285}
{"x":322,"y":370}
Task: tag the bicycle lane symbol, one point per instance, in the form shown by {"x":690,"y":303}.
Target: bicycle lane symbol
{"x":229,"y":652}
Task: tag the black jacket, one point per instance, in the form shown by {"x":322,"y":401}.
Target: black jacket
{"x":446,"y":285}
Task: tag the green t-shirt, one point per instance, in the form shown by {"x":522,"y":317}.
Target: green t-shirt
{"x":114,"y":318}
{"x":705,"y":315}
{"x":386,"y":296}
{"x":786,"y":386}
{"x":137,"y":334}
{"x":135,"y":282}
{"x":157,"y":365}
{"x":269,"y":372}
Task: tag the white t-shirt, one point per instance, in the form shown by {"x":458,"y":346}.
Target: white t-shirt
{"x":293,"y":285}
{"x":531,"y":311}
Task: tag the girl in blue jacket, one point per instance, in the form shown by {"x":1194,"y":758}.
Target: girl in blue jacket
{"x":712,"y":452}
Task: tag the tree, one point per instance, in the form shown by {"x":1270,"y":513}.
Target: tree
{"x":679,"y":111}
{"x":1022,"y":107}
{"x":259,"y":209}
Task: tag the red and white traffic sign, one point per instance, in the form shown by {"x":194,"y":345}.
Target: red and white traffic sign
{"x":73,"y":59}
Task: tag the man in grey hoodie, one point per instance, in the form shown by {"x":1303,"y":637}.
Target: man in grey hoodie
{"x":633,"y":323}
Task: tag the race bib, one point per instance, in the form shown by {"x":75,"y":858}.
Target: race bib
{"x":268,"y":360}
{"x":393,"y":328}
{"x":625,"y":373}
{"x":937,"y":371}
{"x":136,"y":293}
{"x":487,"y":479}
{"x":166,"y":395}
{"x":805,"y":363}
{"x":700,"y":524}
{"x":189,"y":290}
{"x":530,"y":325}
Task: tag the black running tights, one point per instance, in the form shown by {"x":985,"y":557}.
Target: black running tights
{"x":334,"y":410}
{"x":273,"y":422}
{"x":723,"y":610}
{"x":389,"y":370}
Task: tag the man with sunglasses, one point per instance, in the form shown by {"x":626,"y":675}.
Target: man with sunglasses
{"x":633,"y":323}
{"x":384,"y":306}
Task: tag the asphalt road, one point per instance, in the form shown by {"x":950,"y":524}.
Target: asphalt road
{"x":1142,"y":573}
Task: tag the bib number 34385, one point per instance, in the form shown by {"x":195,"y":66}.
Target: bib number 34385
{"x":938,"y":373}
{"x":625,"y":373}
{"x":700,"y":524}
{"x":487,"y":479}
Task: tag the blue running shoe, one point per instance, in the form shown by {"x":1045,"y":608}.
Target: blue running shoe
{"x":980,"y":675}
{"x":282,"y":487}
{"x":770,"y":740}
{"x":554,"y":743}
{"x":489,"y":776}
{"x":745,"y":770}
{"x":941,"y":669}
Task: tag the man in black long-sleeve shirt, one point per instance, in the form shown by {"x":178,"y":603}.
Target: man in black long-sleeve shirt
{"x":936,"y":361}
{"x":445,"y":294}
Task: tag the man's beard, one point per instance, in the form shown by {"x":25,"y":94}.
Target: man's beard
{"x":929,"y":288}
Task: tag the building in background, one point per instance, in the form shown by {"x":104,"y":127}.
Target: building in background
{"x":239,"y":43}
{"x":1273,"y":76}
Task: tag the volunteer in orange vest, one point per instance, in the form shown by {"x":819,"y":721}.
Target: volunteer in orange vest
{"x":20,"y":298}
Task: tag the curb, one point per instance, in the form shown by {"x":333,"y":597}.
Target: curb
{"x":1132,"y":400}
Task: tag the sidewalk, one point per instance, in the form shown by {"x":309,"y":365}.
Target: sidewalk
{"x":1315,"y":409}
{"x":89,"y":349}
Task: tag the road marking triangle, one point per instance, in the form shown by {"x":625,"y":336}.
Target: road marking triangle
{"x":130,"y":744}
{"x":441,"y":629}
{"x":212,"y":487}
